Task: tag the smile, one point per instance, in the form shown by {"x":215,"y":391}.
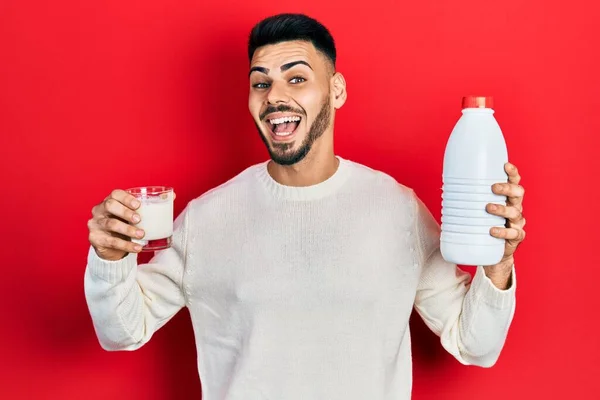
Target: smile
{"x":282,"y":126}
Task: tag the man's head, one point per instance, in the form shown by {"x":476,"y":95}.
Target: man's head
{"x":294,"y":88}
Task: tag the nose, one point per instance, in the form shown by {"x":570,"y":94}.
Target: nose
{"x":277,"y":93}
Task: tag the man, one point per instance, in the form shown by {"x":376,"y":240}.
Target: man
{"x":301,"y":272}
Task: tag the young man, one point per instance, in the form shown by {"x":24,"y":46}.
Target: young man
{"x":301,"y":272}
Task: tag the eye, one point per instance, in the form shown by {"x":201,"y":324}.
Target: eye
{"x":297,"y":79}
{"x":260,"y":85}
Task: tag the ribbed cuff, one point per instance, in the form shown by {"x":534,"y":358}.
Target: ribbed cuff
{"x":111,"y":271}
{"x":485,"y":290}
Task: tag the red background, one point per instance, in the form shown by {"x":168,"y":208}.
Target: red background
{"x":112,"y":94}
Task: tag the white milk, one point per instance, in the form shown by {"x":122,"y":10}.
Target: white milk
{"x":156,"y":217}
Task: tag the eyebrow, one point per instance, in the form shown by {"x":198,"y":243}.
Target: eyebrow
{"x":283,"y":68}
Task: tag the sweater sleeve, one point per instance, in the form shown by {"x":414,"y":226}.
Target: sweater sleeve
{"x":129,"y":302}
{"x":471,"y":317}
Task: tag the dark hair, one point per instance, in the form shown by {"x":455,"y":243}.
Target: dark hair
{"x":287,"y":27}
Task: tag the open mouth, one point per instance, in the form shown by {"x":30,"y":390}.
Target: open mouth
{"x":283,"y":127}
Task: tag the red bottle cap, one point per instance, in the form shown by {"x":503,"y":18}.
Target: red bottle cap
{"x":477,"y":102}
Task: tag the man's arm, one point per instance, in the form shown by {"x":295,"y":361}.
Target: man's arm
{"x":471,"y":317}
{"x":129,"y":302}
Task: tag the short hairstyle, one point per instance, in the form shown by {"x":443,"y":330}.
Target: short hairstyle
{"x":288,"y":27}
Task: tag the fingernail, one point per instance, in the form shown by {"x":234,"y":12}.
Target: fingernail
{"x":493,"y":207}
{"x":495,"y":230}
{"x":135,"y":203}
{"x":137,"y":248}
{"x":136,"y":218}
{"x":139,"y":233}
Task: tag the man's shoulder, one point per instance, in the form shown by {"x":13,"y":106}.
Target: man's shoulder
{"x":379,"y":182}
{"x":237,"y":186}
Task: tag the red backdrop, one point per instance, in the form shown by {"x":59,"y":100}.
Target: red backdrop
{"x":112,"y":94}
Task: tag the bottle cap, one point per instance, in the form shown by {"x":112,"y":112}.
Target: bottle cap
{"x":477,"y":102}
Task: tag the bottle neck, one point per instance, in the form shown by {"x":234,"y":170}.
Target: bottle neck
{"x":477,"y":111}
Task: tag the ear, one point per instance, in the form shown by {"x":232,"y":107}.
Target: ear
{"x":338,"y":89}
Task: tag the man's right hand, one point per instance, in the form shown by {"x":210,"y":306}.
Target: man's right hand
{"x":110,"y":231}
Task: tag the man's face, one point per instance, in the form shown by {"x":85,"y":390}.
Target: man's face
{"x":290,"y":98}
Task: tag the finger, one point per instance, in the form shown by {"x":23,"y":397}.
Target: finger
{"x":100,"y":239}
{"x":511,"y":213}
{"x":510,"y":246}
{"x":514,"y":193}
{"x":519,"y":223}
{"x":116,"y":208}
{"x":114,"y":225}
{"x":125,"y":198}
{"x":508,"y":189}
{"x":508,"y":233}
{"x":513,"y":173}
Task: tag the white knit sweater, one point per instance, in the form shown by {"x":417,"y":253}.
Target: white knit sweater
{"x":303,"y":292}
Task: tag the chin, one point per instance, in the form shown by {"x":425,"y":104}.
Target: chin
{"x":286,"y":150}
{"x":289,"y":156}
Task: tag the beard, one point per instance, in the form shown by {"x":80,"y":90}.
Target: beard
{"x":282,"y":153}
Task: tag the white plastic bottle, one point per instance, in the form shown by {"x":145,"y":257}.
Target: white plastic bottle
{"x":473,"y":161}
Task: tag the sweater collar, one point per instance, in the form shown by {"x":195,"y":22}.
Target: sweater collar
{"x":305,"y":193}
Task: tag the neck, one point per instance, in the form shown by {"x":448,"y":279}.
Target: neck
{"x":315,"y":168}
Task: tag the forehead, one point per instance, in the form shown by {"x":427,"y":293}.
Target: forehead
{"x":275,"y":55}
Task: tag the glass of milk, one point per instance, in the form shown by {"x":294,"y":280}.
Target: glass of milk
{"x":156,"y":216}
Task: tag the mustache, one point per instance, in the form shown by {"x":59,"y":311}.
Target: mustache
{"x":280,"y":108}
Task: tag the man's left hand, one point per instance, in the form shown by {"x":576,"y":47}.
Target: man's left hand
{"x":513,"y":233}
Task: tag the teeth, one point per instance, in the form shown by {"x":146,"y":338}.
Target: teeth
{"x":283,"y":133}
{"x":284,"y":119}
